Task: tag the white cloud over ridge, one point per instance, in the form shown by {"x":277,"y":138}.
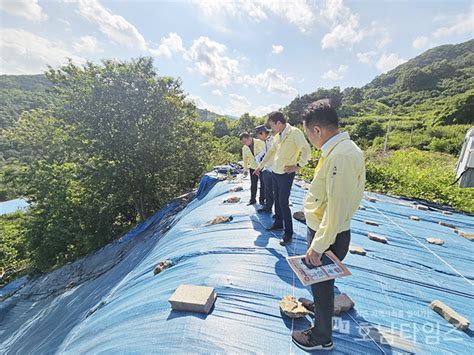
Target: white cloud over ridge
{"x":35,"y":52}
{"x":28,"y":9}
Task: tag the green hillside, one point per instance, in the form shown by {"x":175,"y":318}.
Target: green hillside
{"x":431,"y":98}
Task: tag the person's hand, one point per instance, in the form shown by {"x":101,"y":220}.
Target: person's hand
{"x":291,"y":168}
{"x":313,"y":258}
{"x":257,"y":172}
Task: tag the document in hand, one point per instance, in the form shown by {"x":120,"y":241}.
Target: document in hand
{"x":331,"y":268}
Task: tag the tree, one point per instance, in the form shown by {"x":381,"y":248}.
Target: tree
{"x":221,"y":127}
{"x":297,"y":107}
{"x":246,"y":123}
{"x":352,"y":95}
{"x":119,"y":143}
{"x":457,"y":110}
{"x":416,"y":79}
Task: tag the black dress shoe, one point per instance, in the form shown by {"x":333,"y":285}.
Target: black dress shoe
{"x":261,"y":202}
{"x":264,"y":210}
{"x":251,"y":202}
{"x":275,"y":227}
{"x":286,"y":240}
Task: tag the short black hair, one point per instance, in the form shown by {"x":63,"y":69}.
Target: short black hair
{"x":276,"y":116}
{"x":244,"y":135}
{"x":321,"y":113}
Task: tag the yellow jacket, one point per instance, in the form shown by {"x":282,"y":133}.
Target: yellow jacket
{"x":292,"y":149}
{"x":248,"y":157}
{"x":335,"y":192}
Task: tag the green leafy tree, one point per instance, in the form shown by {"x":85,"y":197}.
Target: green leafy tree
{"x":246,"y":123}
{"x":120,"y":143}
{"x":457,"y":110}
{"x":221,"y":127}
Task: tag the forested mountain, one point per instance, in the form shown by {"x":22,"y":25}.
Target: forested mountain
{"x":431,"y":98}
{"x":206,"y":115}
{"x":20,"y":93}
{"x":25,"y":92}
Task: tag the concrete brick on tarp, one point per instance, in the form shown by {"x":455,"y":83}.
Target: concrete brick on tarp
{"x":193,"y":298}
{"x":449,"y":314}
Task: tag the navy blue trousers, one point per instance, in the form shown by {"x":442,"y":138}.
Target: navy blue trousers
{"x":281,"y":193}
{"x":268,"y":186}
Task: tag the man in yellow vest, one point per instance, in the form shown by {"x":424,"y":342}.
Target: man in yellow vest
{"x":333,"y":198}
{"x":263,"y":133}
{"x":289,"y":152}
{"x":251,"y":148}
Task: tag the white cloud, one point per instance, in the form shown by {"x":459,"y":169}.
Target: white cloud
{"x":263,"y":110}
{"x":346,"y":29}
{"x":115,"y":27}
{"x":27,"y":53}
{"x":28,"y":9}
{"x":296,"y":12}
{"x":200,"y":103}
{"x":344,"y":25}
{"x":277,"y":49}
{"x":336,"y":74}
{"x":211,"y":62}
{"x":420,"y":42}
{"x":66,"y":24}
{"x":232,"y":8}
{"x":87,"y":44}
{"x":169,"y":45}
{"x":343,"y":34}
{"x":463,"y":23}
{"x":380,"y":33}
{"x":440,"y":17}
{"x":217,"y":92}
{"x":238,"y":104}
{"x":272,"y":81}
{"x":366,"y":57}
{"x":389,"y":61}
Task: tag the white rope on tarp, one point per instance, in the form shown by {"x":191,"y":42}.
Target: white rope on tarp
{"x":424,"y":246}
{"x":293,"y":294}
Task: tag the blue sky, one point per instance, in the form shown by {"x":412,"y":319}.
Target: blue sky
{"x":234,"y":56}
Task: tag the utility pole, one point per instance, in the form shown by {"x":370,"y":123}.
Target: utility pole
{"x":388,"y":129}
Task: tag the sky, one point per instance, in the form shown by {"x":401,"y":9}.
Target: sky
{"x":234,"y":56}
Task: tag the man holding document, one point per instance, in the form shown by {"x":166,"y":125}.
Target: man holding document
{"x":333,"y":198}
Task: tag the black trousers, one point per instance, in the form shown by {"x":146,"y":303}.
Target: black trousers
{"x":253,"y":187}
{"x":268,"y":186}
{"x":323,"y":292}
{"x":281,"y":192}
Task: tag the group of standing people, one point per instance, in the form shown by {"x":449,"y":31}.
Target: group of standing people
{"x":332,"y":199}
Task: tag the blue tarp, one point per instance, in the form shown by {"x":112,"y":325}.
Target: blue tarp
{"x":124,"y":309}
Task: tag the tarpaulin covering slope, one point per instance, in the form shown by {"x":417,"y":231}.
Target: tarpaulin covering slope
{"x":124,"y":308}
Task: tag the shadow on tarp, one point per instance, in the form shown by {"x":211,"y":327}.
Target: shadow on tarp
{"x":46,"y":329}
